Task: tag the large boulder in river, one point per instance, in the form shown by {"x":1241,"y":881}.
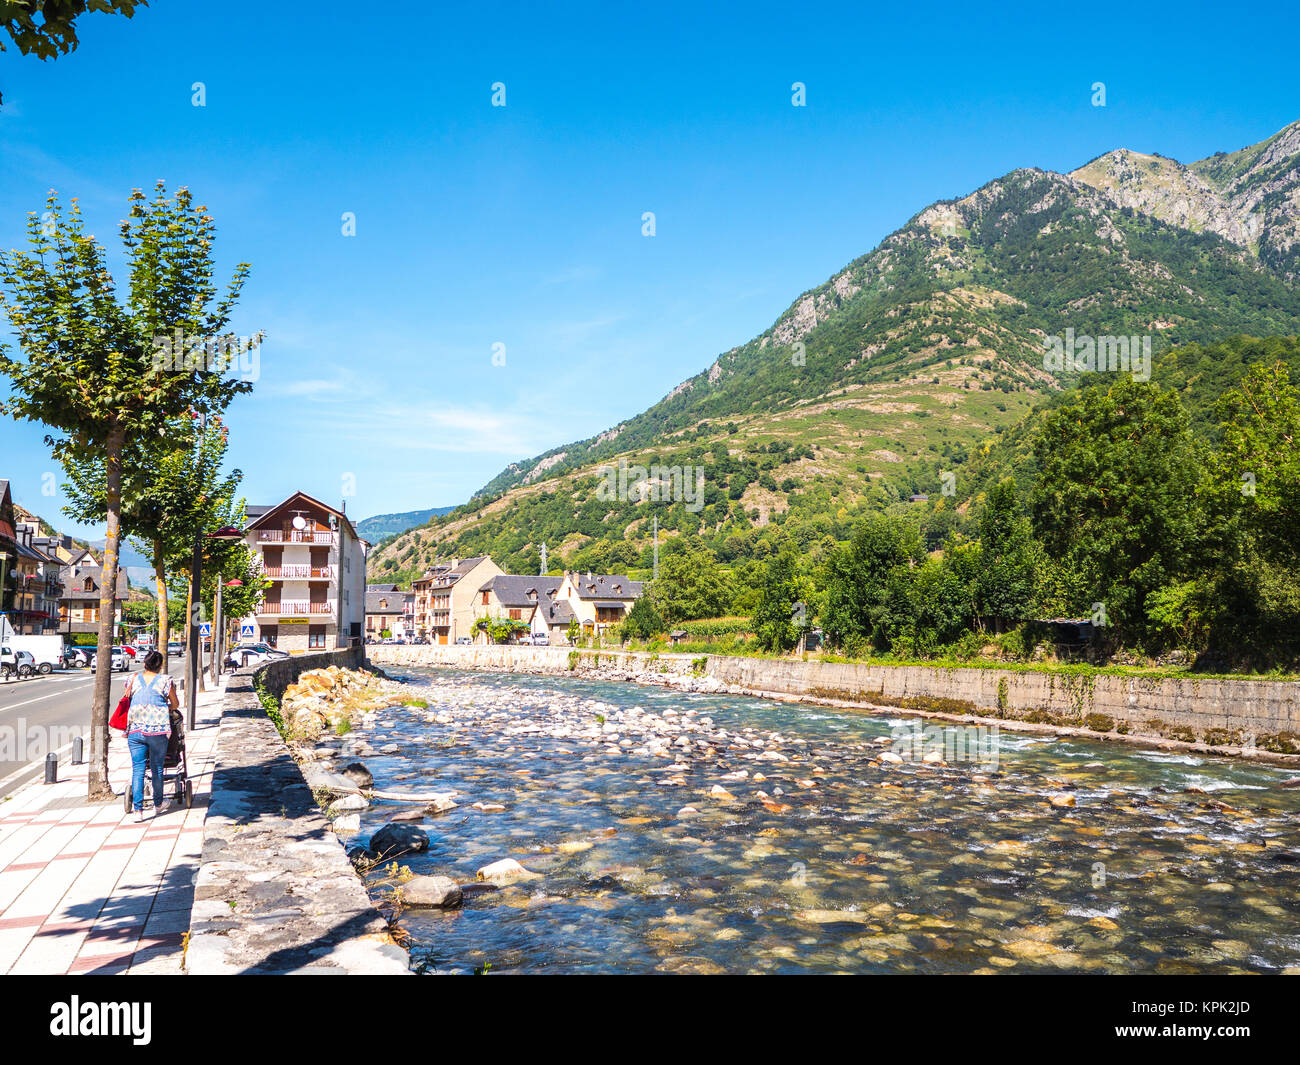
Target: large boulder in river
{"x":432,"y":891}
{"x":359,"y":774}
{"x":506,"y":871}
{"x":395,"y":839}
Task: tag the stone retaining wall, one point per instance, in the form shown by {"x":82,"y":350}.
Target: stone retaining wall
{"x":1222,"y":714}
{"x":275,"y":892}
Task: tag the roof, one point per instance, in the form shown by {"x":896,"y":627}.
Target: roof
{"x":556,"y":613}
{"x":73,"y":577}
{"x":605,"y":586}
{"x":396,"y":601}
{"x":512,"y":590}
{"x":256,"y":515}
{"x":381,"y":587}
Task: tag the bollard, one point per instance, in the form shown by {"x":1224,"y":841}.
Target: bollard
{"x":51,"y":768}
{"x":78,"y":752}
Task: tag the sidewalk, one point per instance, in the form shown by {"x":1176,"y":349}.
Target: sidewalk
{"x":85,"y":888}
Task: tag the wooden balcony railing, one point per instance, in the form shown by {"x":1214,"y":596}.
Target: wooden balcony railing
{"x":295,"y":536}
{"x":292,"y":607}
{"x":300,"y":571}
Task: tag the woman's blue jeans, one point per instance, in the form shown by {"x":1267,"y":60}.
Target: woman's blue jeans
{"x":153,"y":748}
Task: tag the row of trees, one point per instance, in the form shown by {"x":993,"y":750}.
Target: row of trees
{"x":1163,"y":538}
{"x":140,"y":439}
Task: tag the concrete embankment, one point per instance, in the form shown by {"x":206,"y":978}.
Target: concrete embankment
{"x":275,"y":891}
{"x":1236,"y":716}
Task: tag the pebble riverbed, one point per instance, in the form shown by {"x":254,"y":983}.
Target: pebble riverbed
{"x":685,"y":832}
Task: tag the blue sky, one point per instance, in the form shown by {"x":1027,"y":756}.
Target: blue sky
{"x":479,"y":225}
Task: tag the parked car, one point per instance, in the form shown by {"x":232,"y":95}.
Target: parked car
{"x":78,"y":656}
{"x":120,"y":661}
{"x":463,"y":640}
{"x":46,"y":649}
{"x":175,"y":648}
{"x":14,"y":661}
{"x":254,"y":654}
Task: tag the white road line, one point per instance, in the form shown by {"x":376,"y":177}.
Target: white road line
{"x":39,"y":698}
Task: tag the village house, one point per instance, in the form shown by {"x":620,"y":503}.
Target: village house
{"x":388,"y":610}
{"x":316,"y":563}
{"x":37,"y":584}
{"x":533,"y":600}
{"x":447,"y":595}
{"x":598,"y":600}
{"x":79,"y":598}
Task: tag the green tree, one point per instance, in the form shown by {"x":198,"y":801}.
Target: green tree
{"x":643,"y":620}
{"x":689,"y":584}
{"x":1115,"y":499}
{"x":1004,"y":586}
{"x":776,"y":625}
{"x":1252,"y":495}
{"x":91,"y":372}
{"x":857,"y":580}
{"x":54,"y":33}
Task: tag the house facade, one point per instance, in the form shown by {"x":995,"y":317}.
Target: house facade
{"x":447,"y":596}
{"x":599,"y":600}
{"x":387,"y":611}
{"x":79,"y":597}
{"x":316,"y":565}
{"x":535,"y":601}
{"x":37,"y":584}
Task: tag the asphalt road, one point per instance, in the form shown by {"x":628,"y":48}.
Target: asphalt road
{"x":41,"y":713}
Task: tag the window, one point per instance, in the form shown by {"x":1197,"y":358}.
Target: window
{"x":516,"y":615}
{"x":270,"y":634}
{"x":316,"y":636}
{"x":485,"y":598}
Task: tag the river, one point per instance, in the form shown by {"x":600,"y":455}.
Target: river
{"x":677,"y":832}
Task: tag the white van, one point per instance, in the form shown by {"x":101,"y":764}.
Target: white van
{"x":47,"y":650}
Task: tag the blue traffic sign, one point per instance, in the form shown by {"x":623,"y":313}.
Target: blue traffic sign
{"x":246,"y":631}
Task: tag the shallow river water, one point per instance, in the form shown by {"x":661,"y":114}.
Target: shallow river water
{"x":1045,"y":855}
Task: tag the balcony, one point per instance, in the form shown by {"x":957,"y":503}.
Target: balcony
{"x":295,"y":607}
{"x":296,"y":536}
{"x":301,"y":571}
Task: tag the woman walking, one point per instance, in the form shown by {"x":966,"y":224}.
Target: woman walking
{"x":148,"y":728}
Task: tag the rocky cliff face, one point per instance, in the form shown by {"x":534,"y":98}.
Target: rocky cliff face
{"x":1250,"y":197}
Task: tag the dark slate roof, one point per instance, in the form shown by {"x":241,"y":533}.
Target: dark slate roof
{"x":255,"y":511}
{"x":395,"y":601}
{"x":606,"y":586}
{"x":381,"y":587}
{"x":73,"y":577}
{"x":512,"y":590}
{"x":557,"y":613}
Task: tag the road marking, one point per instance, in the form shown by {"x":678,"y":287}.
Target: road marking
{"x":40,"y":698}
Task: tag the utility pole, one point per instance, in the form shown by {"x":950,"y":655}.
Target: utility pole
{"x":192,"y":647}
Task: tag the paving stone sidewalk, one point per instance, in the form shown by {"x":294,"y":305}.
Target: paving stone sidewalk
{"x":85,"y":888}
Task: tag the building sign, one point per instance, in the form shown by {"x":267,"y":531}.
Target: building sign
{"x":293,"y":621}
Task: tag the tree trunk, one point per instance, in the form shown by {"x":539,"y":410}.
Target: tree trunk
{"x":98,"y":788}
{"x":160,"y":577}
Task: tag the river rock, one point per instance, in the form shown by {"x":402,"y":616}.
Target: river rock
{"x":506,"y":871}
{"x":345,"y":803}
{"x":432,"y":891}
{"x":395,"y":839}
{"x":358,"y":774}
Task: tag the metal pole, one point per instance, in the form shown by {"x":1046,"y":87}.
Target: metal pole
{"x":216,"y":634}
{"x":193,"y":661}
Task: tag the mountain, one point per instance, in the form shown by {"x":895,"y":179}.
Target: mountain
{"x":894,"y":369}
{"x":382,"y":526}
{"x":1250,"y":197}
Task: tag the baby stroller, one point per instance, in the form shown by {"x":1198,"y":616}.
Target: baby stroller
{"x":175,"y":769}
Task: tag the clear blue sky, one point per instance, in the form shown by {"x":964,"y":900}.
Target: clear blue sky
{"x":522,"y":225}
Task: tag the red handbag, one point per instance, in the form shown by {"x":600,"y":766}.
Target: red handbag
{"x":118,"y":720}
